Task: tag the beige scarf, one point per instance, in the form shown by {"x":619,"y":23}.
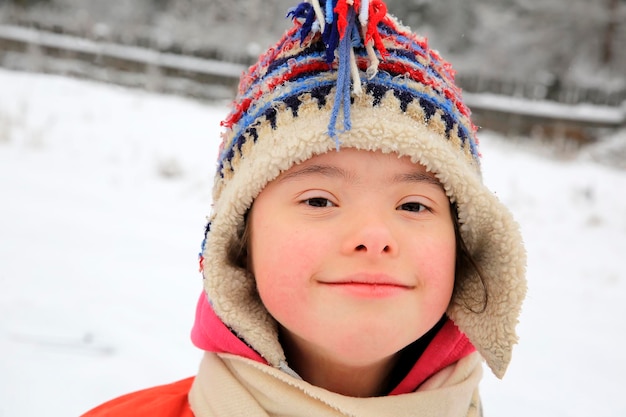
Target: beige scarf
{"x":229,"y":386}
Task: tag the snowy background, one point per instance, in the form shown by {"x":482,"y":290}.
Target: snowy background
{"x":103,"y":197}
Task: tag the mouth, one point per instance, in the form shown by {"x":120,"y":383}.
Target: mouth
{"x":369,"y":285}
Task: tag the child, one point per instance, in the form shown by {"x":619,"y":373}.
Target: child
{"x":354,"y":263}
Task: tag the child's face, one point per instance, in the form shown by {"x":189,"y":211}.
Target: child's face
{"x":353,"y":253}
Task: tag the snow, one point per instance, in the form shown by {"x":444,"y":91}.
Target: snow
{"x":104,"y":196}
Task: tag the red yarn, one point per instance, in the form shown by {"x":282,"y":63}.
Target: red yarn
{"x":342,"y":17}
{"x":377,"y":13}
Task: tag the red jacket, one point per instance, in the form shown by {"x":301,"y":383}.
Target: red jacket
{"x":163,"y":401}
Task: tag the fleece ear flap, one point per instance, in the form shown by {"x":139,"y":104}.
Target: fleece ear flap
{"x":487,"y":308}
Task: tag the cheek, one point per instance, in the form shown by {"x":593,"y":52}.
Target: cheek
{"x":279,"y":252}
{"x":283,"y":263}
{"x":437,"y":266}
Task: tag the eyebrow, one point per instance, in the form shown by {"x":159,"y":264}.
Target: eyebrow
{"x":417,"y":176}
{"x":324,"y":170}
{"x":336,"y":172}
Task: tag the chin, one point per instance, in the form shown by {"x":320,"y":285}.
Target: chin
{"x":367,"y":349}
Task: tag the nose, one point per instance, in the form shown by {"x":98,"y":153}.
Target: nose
{"x":371,"y":236}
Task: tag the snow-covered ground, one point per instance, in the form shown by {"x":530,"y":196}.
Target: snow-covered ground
{"x":103,"y":197}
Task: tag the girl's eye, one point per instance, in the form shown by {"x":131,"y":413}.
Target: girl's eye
{"x":413,"y":207}
{"x":318,"y":202}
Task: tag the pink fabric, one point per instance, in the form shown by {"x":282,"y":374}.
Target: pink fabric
{"x":448,"y":346}
{"x":211,"y":334}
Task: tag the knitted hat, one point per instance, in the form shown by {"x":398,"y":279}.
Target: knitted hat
{"x":349,"y":75}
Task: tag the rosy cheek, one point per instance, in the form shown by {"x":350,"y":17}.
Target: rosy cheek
{"x":283,"y":269}
{"x":437,"y":266}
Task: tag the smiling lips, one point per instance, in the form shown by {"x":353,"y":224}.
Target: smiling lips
{"x":369,"y":285}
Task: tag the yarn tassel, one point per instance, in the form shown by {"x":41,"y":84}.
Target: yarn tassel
{"x":336,"y":20}
{"x":354,"y":68}
{"x":356,"y":78}
{"x":364,"y":15}
{"x":376,"y":13}
{"x":329,"y":12}
{"x":306,"y":13}
{"x":342,"y":94}
{"x":364,"y":12}
{"x":331,"y":34}
{"x":319,"y":14}
{"x":342,"y":17}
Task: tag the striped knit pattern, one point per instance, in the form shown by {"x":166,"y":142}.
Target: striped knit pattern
{"x":298,"y":68}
